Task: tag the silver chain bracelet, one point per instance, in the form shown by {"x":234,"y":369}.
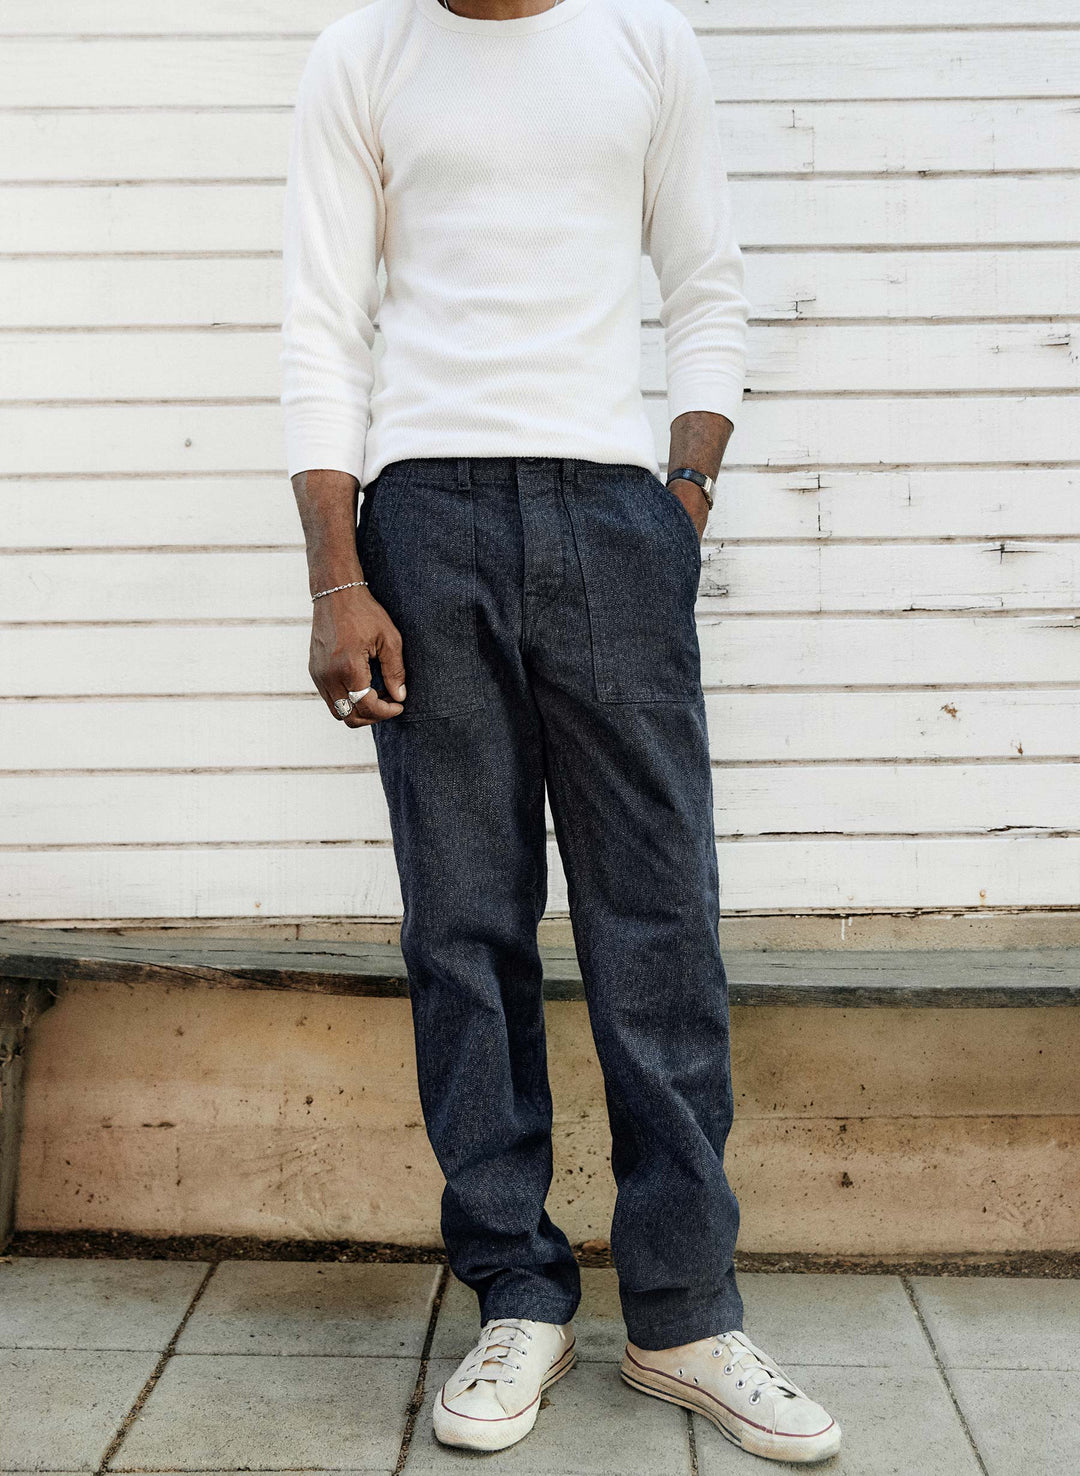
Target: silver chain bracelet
{"x":353,"y":584}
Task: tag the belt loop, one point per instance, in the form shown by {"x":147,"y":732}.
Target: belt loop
{"x":464,"y":480}
{"x":569,"y":471}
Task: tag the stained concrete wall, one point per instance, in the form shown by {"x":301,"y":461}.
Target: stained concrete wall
{"x":183,"y":1111}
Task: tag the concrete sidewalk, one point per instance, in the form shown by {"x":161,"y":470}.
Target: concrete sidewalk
{"x":317,"y":1367}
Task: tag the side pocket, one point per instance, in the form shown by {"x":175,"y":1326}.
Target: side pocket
{"x":420,"y":564}
{"x":640,"y":562}
{"x":382,"y":497}
{"x":684,"y":515}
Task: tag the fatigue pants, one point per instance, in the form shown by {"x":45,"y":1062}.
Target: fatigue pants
{"x":546,"y":607}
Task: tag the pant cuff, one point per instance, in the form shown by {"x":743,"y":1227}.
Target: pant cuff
{"x":690,"y":1324}
{"x":528,"y":1294}
{"x":534,"y":1308}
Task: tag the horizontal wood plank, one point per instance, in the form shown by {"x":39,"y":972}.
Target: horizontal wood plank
{"x":747,"y":653}
{"x":811,"y":285}
{"x":975,"y":978}
{"x":745,"y":578}
{"x":263,"y":71}
{"x":254,"y":808}
{"x":60,"y":17}
{"x":983,"y":134}
{"x":113,"y":292}
{"x":799,"y":213}
{"x":846,"y":577}
{"x":105,"y":292}
{"x":829,"y":875}
{"x":239,"y":511}
{"x":805,"y":433}
{"x":796,"y":357}
{"x":759,"y":728}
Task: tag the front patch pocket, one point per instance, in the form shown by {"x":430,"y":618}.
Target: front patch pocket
{"x":420,"y":563}
{"x":640,"y":562}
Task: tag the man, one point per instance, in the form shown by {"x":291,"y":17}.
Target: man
{"x":521,"y":566}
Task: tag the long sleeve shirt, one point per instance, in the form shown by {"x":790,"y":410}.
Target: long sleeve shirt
{"x":508,"y":174}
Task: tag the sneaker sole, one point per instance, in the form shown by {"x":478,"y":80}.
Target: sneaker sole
{"x":470,"y":1433}
{"x":798,"y":1449}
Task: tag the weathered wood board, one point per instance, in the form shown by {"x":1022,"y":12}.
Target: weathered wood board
{"x":763,"y":66}
{"x":970,"y":978}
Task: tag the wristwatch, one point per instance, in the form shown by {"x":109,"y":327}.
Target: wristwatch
{"x":687,"y":474}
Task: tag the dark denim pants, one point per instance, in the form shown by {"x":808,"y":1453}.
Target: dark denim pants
{"x":546,"y":607}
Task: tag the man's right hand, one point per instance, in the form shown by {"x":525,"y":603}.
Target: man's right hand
{"x":348,"y":628}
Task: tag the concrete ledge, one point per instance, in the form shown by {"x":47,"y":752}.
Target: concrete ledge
{"x":960,"y":978}
{"x":900,"y":1102}
{"x":160,"y":1109}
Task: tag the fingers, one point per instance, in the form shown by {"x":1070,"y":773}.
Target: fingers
{"x":372,"y":709}
{"x":336,"y":701}
{"x":340,"y":666}
{"x":353,"y":701}
{"x":392,"y":664}
{"x":368,"y":707}
{"x":336,"y":685}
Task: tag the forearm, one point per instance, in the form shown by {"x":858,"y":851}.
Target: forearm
{"x":327,"y":503}
{"x":698,"y":440}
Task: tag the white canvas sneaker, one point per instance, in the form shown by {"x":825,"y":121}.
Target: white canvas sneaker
{"x":492,"y":1399}
{"x":745,"y":1394}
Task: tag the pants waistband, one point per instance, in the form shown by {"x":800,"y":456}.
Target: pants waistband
{"x":468,"y":470}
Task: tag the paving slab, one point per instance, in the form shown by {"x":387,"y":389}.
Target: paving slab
{"x":313,"y":1307}
{"x":46,"y":1302}
{"x":1022,"y":1420}
{"x":59,"y":1410}
{"x":223,"y":1411}
{"x":598,"y":1324}
{"x":1002,"y":1322}
{"x":851,"y":1320}
{"x":590,"y":1424}
{"x":857,"y":1321}
{"x":894,"y":1423}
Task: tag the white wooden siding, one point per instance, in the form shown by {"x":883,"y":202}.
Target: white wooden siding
{"x":889,"y":616}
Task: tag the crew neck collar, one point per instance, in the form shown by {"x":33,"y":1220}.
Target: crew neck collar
{"x":516,"y":26}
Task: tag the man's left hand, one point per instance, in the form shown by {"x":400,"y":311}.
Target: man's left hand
{"x":693,"y":499}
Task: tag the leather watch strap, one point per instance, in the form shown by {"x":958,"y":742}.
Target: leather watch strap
{"x":688,"y":474}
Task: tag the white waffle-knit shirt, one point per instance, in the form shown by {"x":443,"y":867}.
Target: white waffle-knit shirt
{"x":508,"y":174}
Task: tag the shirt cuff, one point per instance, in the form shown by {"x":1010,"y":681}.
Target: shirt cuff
{"x":719,"y":393}
{"x":310,"y":448}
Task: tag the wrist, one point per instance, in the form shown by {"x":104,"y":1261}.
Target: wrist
{"x":335,"y":591}
{"x":329,"y":571}
{"x":334,"y":579}
{"x":701,"y":480}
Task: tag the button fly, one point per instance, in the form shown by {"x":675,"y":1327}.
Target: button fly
{"x":544,"y":533}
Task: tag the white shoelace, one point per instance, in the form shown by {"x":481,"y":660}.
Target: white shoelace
{"x":754,"y":1367}
{"x":500,"y":1340}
